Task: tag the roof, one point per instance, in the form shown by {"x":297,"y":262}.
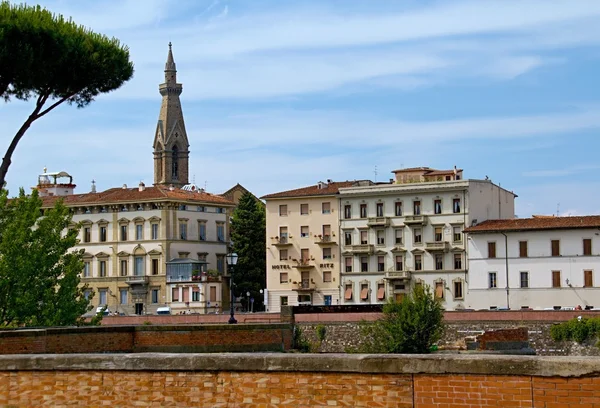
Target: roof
{"x":427,"y":170}
{"x":238,"y":187}
{"x":326,"y":189}
{"x":535,"y":224}
{"x":119,"y":195}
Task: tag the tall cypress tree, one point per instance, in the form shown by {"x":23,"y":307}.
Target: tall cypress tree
{"x":248,"y":229}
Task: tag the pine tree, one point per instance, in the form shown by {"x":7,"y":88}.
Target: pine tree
{"x":248,"y":229}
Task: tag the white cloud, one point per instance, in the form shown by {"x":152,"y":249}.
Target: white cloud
{"x":560,"y":172}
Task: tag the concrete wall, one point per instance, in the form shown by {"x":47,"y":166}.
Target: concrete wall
{"x":255,"y":380}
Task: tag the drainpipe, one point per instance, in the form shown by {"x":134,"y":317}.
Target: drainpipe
{"x":506,"y":260}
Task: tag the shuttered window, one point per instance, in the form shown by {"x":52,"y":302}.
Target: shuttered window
{"x":588,"y":279}
{"x":523,"y":249}
{"x":556,"y":279}
{"x":587,"y":246}
{"x":491,"y":249}
{"x":555,"y":247}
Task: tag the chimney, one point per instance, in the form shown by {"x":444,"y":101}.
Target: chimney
{"x":124,"y":187}
{"x":141,"y":186}
{"x":171,"y":187}
{"x":93,"y":190}
{"x":329,"y":181}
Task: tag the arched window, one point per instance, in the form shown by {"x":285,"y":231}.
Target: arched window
{"x":175,"y":162}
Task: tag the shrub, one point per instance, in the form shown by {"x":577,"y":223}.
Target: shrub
{"x":321,"y":331}
{"x":300,"y":343}
{"x":412,"y":325}
{"x":577,"y":329}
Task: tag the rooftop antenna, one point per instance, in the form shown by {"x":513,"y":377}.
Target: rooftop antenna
{"x":194,"y":179}
{"x":558,"y":209}
{"x":375,"y":172}
{"x":205,"y":185}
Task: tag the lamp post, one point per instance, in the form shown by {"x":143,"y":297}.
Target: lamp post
{"x":232,"y":258}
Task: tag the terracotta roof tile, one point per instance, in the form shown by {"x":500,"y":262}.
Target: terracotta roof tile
{"x":537,"y":223}
{"x":327,"y":189}
{"x":155,"y":193}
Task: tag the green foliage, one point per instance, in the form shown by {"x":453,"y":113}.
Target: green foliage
{"x":576,"y":330}
{"x":321,"y":332}
{"x":248,"y":231}
{"x":300,"y":343}
{"x":39,"y":273}
{"x":412,"y":325}
{"x":53,"y":60}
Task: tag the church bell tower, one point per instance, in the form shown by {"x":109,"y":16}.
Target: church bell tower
{"x":171,"y":146}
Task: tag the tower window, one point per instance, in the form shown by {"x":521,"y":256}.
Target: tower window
{"x":175,"y":162}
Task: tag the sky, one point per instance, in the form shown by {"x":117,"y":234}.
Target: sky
{"x":282,"y":94}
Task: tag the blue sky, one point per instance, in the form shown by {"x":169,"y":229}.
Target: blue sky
{"x":281,"y":94}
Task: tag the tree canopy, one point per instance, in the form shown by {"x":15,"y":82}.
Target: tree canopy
{"x":248,"y":231}
{"x":39,"y":271}
{"x":45,"y":57}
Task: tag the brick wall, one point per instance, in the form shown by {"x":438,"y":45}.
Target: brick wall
{"x":151,"y":338}
{"x":273,"y":380}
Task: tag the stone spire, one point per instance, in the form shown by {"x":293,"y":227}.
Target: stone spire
{"x":171,"y":146}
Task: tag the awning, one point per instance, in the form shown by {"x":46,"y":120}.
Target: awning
{"x":348,"y":294}
{"x":381,"y":293}
{"x":364,"y":293}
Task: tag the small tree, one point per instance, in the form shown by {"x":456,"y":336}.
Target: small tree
{"x":412,"y":325}
{"x":248,"y":231}
{"x":39,"y":272}
{"x":53,"y":60}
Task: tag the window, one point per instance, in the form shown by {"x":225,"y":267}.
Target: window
{"x":283,"y":235}
{"x":364,"y":291}
{"x":438,"y":234}
{"x":587,"y":246}
{"x":456,"y":205}
{"x":437,"y":206}
{"x":123,"y":232}
{"x":380,"y":291}
{"x":439,"y":290}
{"x":380,"y":263}
{"x":154,"y":295}
{"x":380,"y":237}
{"x":220,"y":232}
{"x":457,"y":234}
{"x":174,"y":162}
{"x":87,"y":235}
{"x":154,"y":231}
{"x":138,"y":266}
{"x":556,"y":279}
{"x":379,"y":209}
{"x":458,"y":290}
{"x":326,"y":208}
{"x":102,"y":265}
{"x":491,"y":249}
{"x":327,"y":232}
{"x":283,"y":277}
{"x":86,"y":269}
{"x":327,"y":253}
{"x":327,"y":276}
{"x":348,"y":292}
{"x":102,"y":300}
{"x":523,"y":249}
{"x":347,"y":211}
{"x":555,"y":245}
{"x":418,"y":262}
{"x":399,"y":262}
{"x":123,"y":267}
{"x":492,"y":281}
{"x":139,"y":232}
{"x":283,"y":254}
{"x":221,"y":263}
{"x":364,"y":264}
{"x":283,"y":211}
{"x":155,"y":267}
{"x":457,"y":261}
{"x":201,"y":208}
{"x":303,"y":209}
{"x":183,"y":230}
{"x":348,"y":238}
{"x":175,"y":295}
{"x":363,"y":238}
{"x":588,"y":279}
{"x":348,"y":263}
{"x":195,"y":294}
{"x":363,"y":211}
{"x":398,"y":208}
{"x":123,"y":295}
{"x":304,"y":231}
{"x":202,"y":231}
{"x":283,"y":300}
{"x":398,"y":236}
{"x":103,"y":234}
{"x":416,"y":208}
{"x":524,"y":279}
{"x":417,"y":237}
{"x":439,"y":262}
{"x":304,"y":254}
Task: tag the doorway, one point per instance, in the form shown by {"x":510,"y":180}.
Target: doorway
{"x":139,"y":308}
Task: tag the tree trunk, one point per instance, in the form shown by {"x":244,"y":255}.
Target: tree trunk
{"x":13,"y":145}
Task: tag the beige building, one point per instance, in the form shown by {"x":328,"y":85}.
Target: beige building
{"x":147,"y":247}
{"x":303,"y":246}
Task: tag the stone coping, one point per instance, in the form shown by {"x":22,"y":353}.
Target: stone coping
{"x":337,"y":363}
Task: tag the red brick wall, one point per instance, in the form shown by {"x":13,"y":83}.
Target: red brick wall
{"x":297,"y":389}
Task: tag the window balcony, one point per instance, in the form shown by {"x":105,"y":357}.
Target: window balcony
{"x":281,"y":241}
{"x":304,"y":264}
{"x":415,"y":220}
{"x":366,"y":249}
{"x":399,"y":275}
{"x":378,"y":222}
{"x":305,"y":286}
{"x":137,"y":280}
{"x":324,"y":240}
{"x":437,"y":246}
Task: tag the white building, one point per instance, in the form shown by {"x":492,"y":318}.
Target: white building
{"x":551,"y":262}
{"x":410,"y":231}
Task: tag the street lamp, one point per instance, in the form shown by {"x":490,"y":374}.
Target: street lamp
{"x":232,"y":259}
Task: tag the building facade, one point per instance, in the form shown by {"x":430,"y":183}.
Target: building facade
{"x":303,"y":246}
{"x":538,"y":263}
{"x":410,"y":231}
